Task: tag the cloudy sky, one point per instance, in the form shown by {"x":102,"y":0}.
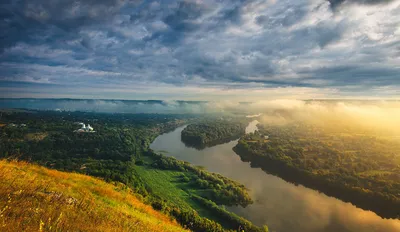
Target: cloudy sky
{"x":200,"y":49}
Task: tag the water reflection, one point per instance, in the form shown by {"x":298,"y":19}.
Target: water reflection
{"x":283,"y":206}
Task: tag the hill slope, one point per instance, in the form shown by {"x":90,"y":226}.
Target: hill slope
{"x":33,"y":198}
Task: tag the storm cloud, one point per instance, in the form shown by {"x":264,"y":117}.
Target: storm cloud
{"x":335,"y":3}
{"x":127,"y":48}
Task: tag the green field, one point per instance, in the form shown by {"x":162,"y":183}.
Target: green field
{"x":165,"y":184}
{"x":168,"y":185}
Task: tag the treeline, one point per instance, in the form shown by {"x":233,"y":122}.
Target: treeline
{"x":213,"y":132}
{"x":237,"y":222}
{"x":359,"y":169}
{"x":48,"y":136}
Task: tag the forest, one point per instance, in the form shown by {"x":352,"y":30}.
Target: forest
{"x":352,"y":164}
{"x":209,"y":133}
{"x":119,"y":151}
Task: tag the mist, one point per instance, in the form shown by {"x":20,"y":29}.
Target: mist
{"x":380,"y":117}
{"x":106,"y":106}
{"x":373,"y":116}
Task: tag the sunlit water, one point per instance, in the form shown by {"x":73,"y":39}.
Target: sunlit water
{"x":282,"y":206}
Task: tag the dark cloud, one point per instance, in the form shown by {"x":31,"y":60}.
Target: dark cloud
{"x":32,"y":20}
{"x":335,"y":3}
{"x":182,"y":19}
{"x":355,"y":75}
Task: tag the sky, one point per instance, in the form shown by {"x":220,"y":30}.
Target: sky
{"x":245,"y":50}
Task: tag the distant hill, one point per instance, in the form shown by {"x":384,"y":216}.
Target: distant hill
{"x":34,"y":198}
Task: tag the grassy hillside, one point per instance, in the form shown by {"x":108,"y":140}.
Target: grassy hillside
{"x":33,"y":198}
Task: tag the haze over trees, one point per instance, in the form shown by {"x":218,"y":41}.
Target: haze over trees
{"x":341,"y":158}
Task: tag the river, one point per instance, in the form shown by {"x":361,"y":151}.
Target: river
{"x":283,"y":206}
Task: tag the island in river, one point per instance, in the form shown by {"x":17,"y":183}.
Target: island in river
{"x":213,"y":132}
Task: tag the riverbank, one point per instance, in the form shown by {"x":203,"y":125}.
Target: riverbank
{"x":368,"y":200}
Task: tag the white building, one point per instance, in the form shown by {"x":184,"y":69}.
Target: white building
{"x":85,"y":129}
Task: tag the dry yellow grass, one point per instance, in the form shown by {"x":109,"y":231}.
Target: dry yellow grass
{"x":33,"y":198}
